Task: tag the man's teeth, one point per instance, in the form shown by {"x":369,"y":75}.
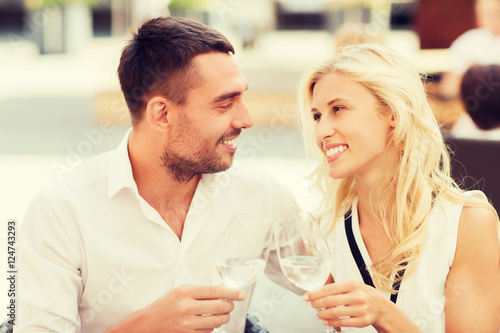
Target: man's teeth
{"x":335,"y":151}
{"x":231,"y":142}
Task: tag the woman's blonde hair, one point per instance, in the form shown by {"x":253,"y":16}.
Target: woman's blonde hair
{"x":422,"y":172}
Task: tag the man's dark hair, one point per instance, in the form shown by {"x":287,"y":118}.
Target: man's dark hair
{"x":480,"y":92}
{"x":158,"y":60}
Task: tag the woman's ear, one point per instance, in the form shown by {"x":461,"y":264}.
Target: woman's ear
{"x":392,"y":122}
{"x":388,"y":115}
{"x":157,"y":113}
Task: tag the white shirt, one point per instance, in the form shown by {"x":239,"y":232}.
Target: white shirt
{"x":93,"y":251}
{"x":465,"y":128}
{"x":422,"y":294}
{"x":476,"y":46}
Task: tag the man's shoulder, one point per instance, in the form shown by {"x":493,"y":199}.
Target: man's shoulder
{"x":475,"y":36}
{"x":82,"y":177}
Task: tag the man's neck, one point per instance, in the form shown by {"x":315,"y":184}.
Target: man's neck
{"x":169,"y":197}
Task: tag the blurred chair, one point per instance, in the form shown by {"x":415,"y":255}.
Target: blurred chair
{"x":6,"y":327}
{"x":253,"y":325}
{"x":475,"y":165}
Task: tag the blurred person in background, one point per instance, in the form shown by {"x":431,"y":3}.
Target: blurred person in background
{"x":351,"y":33}
{"x":126,"y":243}
{"x":412,"y":251}
{"x":476,"y":46}
{"x":145,"y":10}
{"x":480,"y":95}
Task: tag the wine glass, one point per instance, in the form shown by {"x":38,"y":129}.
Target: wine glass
{"x":242,"y":255}
{"x":303,"y":252}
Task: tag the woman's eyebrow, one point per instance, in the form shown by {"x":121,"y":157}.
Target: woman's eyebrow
{"x":333,"y":101}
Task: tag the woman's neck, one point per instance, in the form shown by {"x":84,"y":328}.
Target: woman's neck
{"x":373,"y":231}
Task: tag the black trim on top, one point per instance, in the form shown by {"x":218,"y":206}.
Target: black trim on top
{"x":355,"y":251}
{"x":361,"y":263}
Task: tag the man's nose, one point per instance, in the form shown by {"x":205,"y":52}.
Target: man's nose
{"x":243,"y":119}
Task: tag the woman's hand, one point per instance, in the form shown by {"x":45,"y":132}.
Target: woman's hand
{"x":355,"y":304}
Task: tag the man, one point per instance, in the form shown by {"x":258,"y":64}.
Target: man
{"x":480,"y":96}
{"x":126,"y":243}
{"x":479,"y":46}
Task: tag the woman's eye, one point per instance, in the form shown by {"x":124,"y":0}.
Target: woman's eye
{"x":337,"y":108}
{"x":316,"y":116}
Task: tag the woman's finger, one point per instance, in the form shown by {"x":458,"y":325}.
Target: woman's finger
{"x":347,"y":322}
{"x":331,"y":301}
{"x":333,"y":289}
{"x":341,"y":311}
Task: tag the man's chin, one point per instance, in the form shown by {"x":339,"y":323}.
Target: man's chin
{"x":224,"y":165}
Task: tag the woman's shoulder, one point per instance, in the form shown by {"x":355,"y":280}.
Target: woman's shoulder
{"x":476,"y":221}
{"x":449,"y":212}
{"x":458,"y":200}
{"x":478,"y":224}
{"x":478,"y":241}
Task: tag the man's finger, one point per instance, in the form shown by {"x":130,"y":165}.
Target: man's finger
{"x":211,"y":322}
{"x":213,"y":307}
{"x":218,"y":292}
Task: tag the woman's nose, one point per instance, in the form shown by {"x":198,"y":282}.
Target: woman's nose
{"x":324,"y":129}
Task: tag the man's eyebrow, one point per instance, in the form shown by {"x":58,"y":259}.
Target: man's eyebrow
{"x":227,"y":96}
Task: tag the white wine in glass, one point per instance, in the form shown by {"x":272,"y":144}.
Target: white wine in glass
{"x":304,"y":255}
{"x":306,"y":271}
{"x":242,"y":255}
{"x":237,"y":273}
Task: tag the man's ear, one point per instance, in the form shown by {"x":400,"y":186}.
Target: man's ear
{"x":157,"y":113}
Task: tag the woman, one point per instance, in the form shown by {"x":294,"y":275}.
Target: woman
{"x":394,"y":216}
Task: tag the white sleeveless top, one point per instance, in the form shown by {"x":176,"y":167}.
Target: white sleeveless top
{"x":422,"y":294}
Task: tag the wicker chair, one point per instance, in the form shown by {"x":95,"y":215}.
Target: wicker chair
{"x":475,"y":165}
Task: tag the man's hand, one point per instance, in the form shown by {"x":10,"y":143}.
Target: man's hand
{"x":186,"y":309}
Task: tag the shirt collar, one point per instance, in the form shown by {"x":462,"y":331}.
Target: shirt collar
{"x":120,"y":174}
{"x":120,"y":170}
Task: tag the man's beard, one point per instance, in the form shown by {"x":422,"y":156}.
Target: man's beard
{"x":183,"y":168}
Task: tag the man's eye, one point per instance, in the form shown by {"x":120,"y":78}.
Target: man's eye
{"x":227,"y":106}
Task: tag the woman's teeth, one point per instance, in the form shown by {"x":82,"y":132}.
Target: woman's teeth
{"x":335,"y":151}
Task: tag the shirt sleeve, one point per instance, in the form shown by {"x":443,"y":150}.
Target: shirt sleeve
{"x":50,"y":280}
{"x":460,"y":52}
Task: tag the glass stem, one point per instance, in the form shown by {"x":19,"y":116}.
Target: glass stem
{"x":330,"y":329}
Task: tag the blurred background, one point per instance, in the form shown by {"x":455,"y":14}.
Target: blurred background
{"x":60,"y":101}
